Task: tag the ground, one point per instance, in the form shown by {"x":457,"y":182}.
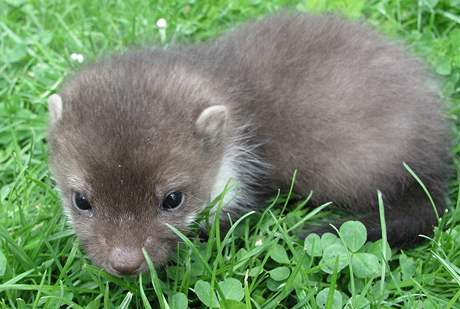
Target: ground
{"x":261,"y":264}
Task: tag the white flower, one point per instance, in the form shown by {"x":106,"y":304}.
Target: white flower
{"x":77,"y":57}
{"x":161,"y":23}
{"x":258,"y":242}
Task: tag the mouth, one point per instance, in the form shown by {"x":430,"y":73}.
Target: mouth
{"x":131,"y":262}
{"x":142,"y":269}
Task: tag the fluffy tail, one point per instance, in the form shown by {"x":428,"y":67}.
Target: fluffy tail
{"x":406,"y":217}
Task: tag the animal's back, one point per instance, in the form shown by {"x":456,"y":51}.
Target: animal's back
{"x":341,"y":104}
{"x":336,"y":101}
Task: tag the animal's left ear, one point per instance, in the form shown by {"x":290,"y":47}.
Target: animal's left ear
{"x":211,"y":122}
{"x":54,"y":108}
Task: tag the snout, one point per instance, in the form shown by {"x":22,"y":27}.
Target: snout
{"x":126,"y":261}
{"x":122,"y":254}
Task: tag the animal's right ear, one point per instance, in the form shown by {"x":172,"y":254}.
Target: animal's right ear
{"x":211,"y":122}
{"x":55,"y":108}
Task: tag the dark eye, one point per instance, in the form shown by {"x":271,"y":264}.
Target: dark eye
{"x":80,"y":201}
{"x":172,"y":200}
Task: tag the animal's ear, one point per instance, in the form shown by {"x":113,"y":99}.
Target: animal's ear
{"x":211,"y":122}
{"x":55,"y":108}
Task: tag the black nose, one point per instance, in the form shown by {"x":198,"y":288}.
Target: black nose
{"x":126,"y":261}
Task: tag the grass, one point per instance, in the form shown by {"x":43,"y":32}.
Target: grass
{"x":261,"y":264}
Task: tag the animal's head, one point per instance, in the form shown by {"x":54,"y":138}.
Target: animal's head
{"x":135,"y":145}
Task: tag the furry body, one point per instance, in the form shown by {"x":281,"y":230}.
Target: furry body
{"x":329,"y":98}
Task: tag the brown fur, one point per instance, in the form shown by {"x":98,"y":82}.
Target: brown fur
{"x":330,"y":98}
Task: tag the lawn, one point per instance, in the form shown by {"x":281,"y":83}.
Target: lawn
{"x":261,"y":263}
